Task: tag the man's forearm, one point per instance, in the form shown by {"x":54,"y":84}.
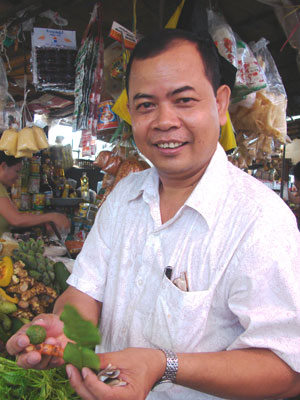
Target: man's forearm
{"x":238,"y":374}
{"x":85,"y":305}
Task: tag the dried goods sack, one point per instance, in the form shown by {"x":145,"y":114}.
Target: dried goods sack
{"x":8,"y":142}
{"x":40,"y":138}
{"x":26,"y":141}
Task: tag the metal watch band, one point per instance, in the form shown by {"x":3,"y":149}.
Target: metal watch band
{"x":171,"y":367}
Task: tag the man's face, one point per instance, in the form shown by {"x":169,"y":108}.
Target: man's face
{"x":175,"y":115}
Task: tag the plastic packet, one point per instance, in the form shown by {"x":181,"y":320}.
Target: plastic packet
{"x":26,"y":141}
{"x":102,"y":158}
{"x":53,"y":59}
{"x":40,"y":137}
{"x":108,"y":162}
{"x":288,"y":15}
{"x":8,"y":142}
{"x":107,"y":181}
{"x":273,"y":97}
{"x":250,"y":76}
{"x":3,"y":85}
{"x":223,"y":36}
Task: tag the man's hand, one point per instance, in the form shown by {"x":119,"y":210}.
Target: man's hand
{"x":140,"y":369}
{"x":17,"y":343}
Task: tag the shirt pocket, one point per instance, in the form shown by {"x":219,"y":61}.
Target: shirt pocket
{"x":177,"y":319}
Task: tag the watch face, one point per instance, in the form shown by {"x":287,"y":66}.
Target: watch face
{"x":163,"y":386}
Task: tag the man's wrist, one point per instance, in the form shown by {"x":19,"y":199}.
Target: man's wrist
{"x":171,"y":369}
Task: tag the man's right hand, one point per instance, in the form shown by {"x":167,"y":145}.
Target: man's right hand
{"x":17,"y":344}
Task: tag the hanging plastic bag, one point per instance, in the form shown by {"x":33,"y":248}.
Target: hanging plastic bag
{"x":223,"y":36}
{"x":3,"y":85}
{"x":250,"y":76}
{"x":8,"y":141}
{"x":26,"y":140}
{"x":273,"y":97}
{"x":40,"y":137}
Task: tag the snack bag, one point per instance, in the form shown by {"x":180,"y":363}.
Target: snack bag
{"x":26,"y":141}
{"x":40,"y":138}
{"x":250,"y":76}
{"x":273,"y":97}
{"x":223,"y":36}
{"x":8,"y":142}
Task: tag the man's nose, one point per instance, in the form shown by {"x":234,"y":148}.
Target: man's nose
{"x":166,"y":118}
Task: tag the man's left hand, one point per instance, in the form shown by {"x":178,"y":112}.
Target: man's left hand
{"x":140,"y":369}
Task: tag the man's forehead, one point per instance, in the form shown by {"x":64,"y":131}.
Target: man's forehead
{"x":173,"y":48}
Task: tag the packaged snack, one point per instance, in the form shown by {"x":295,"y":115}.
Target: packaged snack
{"x":8,"y":141}
{"x":40,"y":138}
{"x":223,"y":36}
{"x":26,"y":140}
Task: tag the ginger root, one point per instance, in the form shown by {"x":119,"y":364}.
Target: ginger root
{"x":24,"y":284}
{"x":38,"y":289}
{"x":23,"y":314}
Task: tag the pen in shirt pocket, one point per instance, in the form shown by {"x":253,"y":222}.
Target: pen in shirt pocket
{"x":181,"y":282}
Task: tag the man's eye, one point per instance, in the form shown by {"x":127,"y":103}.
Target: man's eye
{"x":144,"y":105}
{"x":185,"y":100}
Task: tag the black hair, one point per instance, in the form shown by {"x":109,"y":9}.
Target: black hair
{"x":296,"y":171}
{"x":157,"y":42}
{"x":9,"y":160}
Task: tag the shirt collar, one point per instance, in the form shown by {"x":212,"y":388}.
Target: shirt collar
{"x":148,"y":186}
{"x":206,"y":196}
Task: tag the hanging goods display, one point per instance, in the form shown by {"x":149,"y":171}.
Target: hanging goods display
{"x":89,"y":75}
{"x":53,"y":59}
{"x":260,"y":119}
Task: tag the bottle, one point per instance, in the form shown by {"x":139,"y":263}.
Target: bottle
{"x":84,"y":183}
{"x":47,"y":190}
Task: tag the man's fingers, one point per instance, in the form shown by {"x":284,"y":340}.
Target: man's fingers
{"x":17,"y":343}
{"x":102,"y":390}
{"x":29,"y":360}
{"x":78,"y":385}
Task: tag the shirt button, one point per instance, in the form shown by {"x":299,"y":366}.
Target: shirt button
{"x":140,"y":282}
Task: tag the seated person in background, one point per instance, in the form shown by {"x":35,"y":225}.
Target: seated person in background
{"x":294,"y":197}
{"x":10,"y":168}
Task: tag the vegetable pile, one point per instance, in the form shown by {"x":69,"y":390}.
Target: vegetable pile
{"x":17,"y":383}
{"x":29,"y":285}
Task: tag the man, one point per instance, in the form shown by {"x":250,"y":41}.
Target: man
{"x":295,"y":197}
{"x":232,"y":330}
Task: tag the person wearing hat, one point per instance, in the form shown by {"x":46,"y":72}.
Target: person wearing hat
{"x":10,"y":216}
{"x":192,"y":266}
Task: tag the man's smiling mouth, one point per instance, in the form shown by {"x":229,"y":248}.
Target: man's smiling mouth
{"x":169,"y":145}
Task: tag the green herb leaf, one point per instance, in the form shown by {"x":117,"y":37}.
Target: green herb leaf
{"x":17,"y":383}
{"x":76,"y":328}
{"x":81,"y":356}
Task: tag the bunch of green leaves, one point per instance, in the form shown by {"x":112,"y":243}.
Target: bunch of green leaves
{"x":85,"y":335}
{"x":17,"y":383}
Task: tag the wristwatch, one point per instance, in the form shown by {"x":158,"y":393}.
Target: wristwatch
{"x":168,"y":378}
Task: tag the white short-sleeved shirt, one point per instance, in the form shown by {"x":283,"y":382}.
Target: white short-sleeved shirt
{"x":239,"y":245}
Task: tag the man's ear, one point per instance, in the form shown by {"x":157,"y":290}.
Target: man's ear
{"x":223,"y":98}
